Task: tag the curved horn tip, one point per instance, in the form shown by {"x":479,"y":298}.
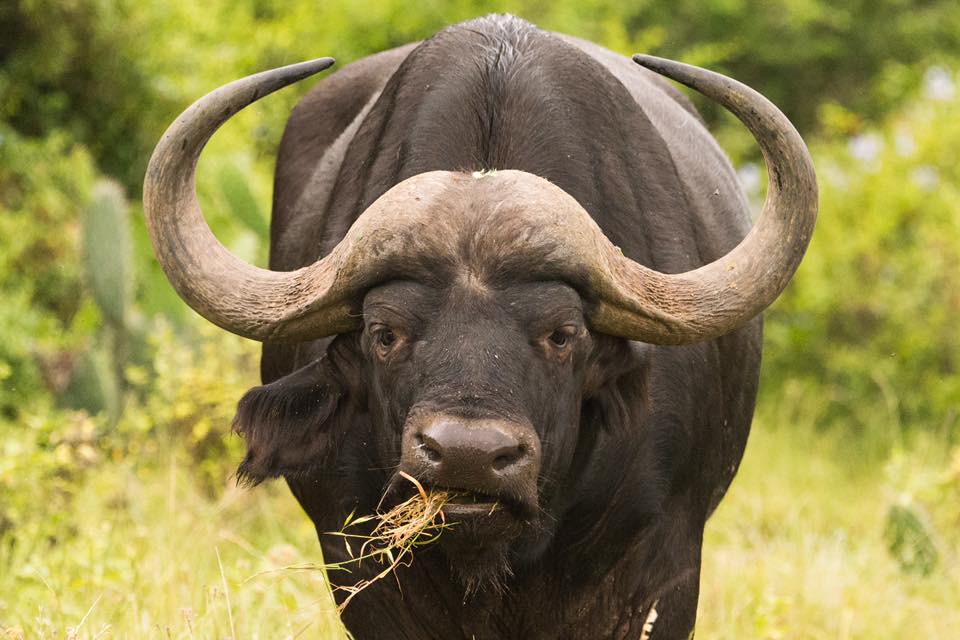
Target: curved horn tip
{"x":291,"y":73}
{"x":314,"y":66}
{"x":680,"y":71}
{"x":653,"y":63}
{"x":181,"y":237}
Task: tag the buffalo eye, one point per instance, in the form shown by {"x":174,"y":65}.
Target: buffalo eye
{"x":386,"y":338}
{"x":560,"y":339}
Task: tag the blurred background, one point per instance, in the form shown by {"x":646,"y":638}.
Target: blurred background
{"x":119,"y":514}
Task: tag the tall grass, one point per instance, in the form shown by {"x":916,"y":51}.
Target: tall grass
{"x":151,"y":555}
{"x":795,"y":551}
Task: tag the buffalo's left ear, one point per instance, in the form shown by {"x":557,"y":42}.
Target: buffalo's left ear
{"x":288,"y":423}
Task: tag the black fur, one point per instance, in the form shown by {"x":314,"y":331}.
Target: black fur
{"x":287,"y":424}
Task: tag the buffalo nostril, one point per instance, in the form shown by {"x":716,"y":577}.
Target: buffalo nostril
{"x":429,"y":448}
{"x":508,"y":458}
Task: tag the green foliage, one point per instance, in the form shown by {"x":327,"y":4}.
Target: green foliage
{"x":137,"y":554}
{"x":113,"y":74}
{"x":922,"y":524}
{"x":43,"y":319}
{"x":189,"y":390}
{"x":186,"y":395}
{"x":910,"y":539}
{"x":797,"y":548}
{"x":93,"y":384}
{"x":80,"y":68}
{"x":235,"y":186}
{"x":871,"y":317}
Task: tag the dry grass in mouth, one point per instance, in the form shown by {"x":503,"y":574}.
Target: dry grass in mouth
{"x":416,"y":522}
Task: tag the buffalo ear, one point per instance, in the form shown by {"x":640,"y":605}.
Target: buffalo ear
{"x":287,"y":423}
{"x":615,"y":389}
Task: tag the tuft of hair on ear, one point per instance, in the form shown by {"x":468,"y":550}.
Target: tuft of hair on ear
{"x":616,"y":396}
{"x":286,"y":423}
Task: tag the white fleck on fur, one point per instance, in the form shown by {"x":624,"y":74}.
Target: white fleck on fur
{"x":648,"y":624}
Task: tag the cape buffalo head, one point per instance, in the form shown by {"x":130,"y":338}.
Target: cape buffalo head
{"x":478,"y":318}
{"x":474,"y":368}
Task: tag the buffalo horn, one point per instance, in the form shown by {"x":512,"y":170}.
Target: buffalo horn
{"x":260,"y":304}
{"x":639,"y":303}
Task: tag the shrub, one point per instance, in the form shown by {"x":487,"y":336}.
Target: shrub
{"x":870,"y":321}
{"x":44,"y":319}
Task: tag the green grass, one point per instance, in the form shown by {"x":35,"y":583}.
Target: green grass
{"x":795,"y":551}
{"x":143,"y":563}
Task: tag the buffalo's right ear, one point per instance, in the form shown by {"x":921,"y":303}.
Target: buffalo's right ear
{"x":288,"y":423}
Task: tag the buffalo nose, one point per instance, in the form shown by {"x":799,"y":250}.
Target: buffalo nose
{"x":473,"y":453}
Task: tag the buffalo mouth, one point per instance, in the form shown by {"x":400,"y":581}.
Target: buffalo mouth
{"x":479,"y":530}
{"x":478,"y":506}
{"x":465,"y":504}
{"x":477,"y":511}
{"x":476,"y":518}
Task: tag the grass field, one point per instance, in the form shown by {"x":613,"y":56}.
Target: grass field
{"x":795,"y":551}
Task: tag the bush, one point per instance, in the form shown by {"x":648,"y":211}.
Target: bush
{"x":44,"y":320}
{"x":870,"y":321}
{"x":114,"y":74}
{"x":182,"y":408}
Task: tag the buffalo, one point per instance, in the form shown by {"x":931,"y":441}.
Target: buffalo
{"x":515,"y":265}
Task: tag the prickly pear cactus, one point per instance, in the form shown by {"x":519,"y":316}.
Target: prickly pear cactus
{"x":108,"y":262}
{"x":108,"y":253}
